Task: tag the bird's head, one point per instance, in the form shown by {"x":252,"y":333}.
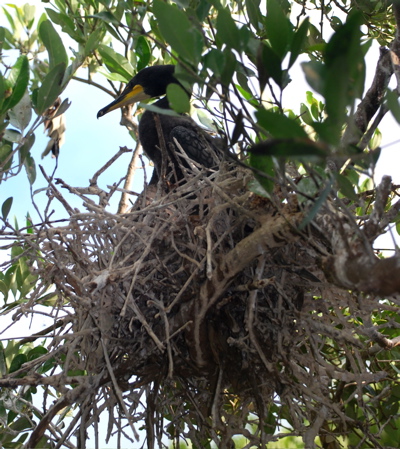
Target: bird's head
{"x":148,"y":83}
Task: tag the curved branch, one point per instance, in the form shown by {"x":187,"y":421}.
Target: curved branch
{"x":372,"y":100}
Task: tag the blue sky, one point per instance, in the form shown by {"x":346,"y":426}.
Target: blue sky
{"x":90,"y":143}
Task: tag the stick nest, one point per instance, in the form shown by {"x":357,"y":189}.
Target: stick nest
{"x":202,"y":311}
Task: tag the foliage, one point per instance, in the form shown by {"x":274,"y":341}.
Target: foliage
{"x":239,"y":57}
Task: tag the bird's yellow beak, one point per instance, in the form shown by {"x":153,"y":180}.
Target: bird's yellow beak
{"x":130,"y":95}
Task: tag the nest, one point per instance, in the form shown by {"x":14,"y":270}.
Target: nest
{"x":202,"y":312}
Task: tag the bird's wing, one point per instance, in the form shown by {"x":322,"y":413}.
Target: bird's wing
{"x":194,"y":144}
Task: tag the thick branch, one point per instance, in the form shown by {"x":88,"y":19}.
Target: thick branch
{"x":371,"y":101}
{"x":380,"y":276}
{"x":275,"y":231}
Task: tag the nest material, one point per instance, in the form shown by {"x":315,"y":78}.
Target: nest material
{"x":205,"y":302}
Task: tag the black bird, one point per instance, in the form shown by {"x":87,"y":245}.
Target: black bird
{"x":198,"y":145}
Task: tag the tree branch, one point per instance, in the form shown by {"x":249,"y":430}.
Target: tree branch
{"x":371,"y":102}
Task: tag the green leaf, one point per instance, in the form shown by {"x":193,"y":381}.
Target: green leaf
{"x":30,"y":168}
{"x":255,"y":186}
{"x":116,"y":62}
{"x":317,"y":205}
{"x":17,"y":362}
{"x":315,"y":73}
{"x":93,"y":41}
{"x":227,"y":31}
{"x":21,"y":114}
{"x":307,"y":188}
{"x":3,"y":365}
{"x":12,"y":135}
{"x":298,"y":41}
{"x":214,"y":60}
{"x":29,"y":13}
{"x":305,"y":114}
{"x":53,"y":44}
{"x":51,"y":88}
{"x":65,"y":22}
{"x":107,"y":17}
{"x":278,"y":125}
{"x":178,"y":98}
{"x":2,"y":38}
{"x":268,"y":66}
{"x":393,"y":104}
{"x":254,"y":13}
{"x":6,"y":207}
{"x":278,"y":28}
{"x":143,"y":52}
{"x":297,"y":148}
{"x":111,"y":75}
{"x":5,"y":155}
{"x":18,"y":78}
{"x":265,"y":165}
{"x":229,"y":66}
{"x":375,"y":141}
{"x":345,"y":70}
{"x":346,"y":187}
{"x":26,"y":146}
{"x":36,"y":352}
{"x":179,"y":31}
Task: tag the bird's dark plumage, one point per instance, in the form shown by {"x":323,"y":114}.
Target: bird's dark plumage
{"x":198,"y":145}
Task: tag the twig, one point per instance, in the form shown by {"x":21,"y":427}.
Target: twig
{"x":122,"y":150}
{"x":56,"y":193}
{"x":123,"y":203}
{"x":117,"y":389}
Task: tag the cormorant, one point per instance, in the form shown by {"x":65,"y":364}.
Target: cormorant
{"x":198,"y":145}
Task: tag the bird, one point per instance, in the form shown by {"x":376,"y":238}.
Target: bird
{"x":198,"y":145}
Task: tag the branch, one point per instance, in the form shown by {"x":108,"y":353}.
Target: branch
{"x":92,"y":83}
{"x":371,"y":102}
{"x":123,"y":203}
{"x":56,"y":193}
{"x":275,"y":232}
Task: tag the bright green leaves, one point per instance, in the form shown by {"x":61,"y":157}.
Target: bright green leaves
{"x":54,"y":82}
{"x":269,"y":65}
{"x":53,"y":44}
{"x":93,"y":41}
{"x":50,"y":88}
{"x":279,"y":126}
{"x":281,"y":40}
{"x":178,"y":98}
{"x":143,"y":53}
{"x":227,"y":31}
{"x":183,"y":36}
{"x":254,"y":13}
{"x":16,"y":84}
{"x":345,"y":66}
{"x":264,"y":171}
{"x":6,"y":207}
{"x":222,"y":63}
{"x":279,"y":28}
{"x":299,"y":39}
{"x":116,"y":63}
{"x":293,"y":148}
{"x":340,"y":79}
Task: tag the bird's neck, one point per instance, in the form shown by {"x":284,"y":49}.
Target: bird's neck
{"x":162,"y":103}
